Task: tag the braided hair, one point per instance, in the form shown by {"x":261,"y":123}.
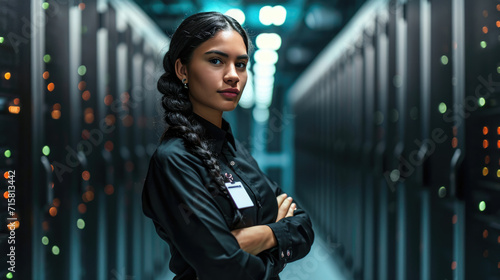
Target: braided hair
{"x":179,"y":116}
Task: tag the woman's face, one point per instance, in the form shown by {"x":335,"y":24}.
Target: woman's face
{"x":217,"y":73}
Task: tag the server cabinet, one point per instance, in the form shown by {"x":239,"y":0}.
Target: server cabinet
{"x":16,"y":154}
{"x":78,"y":102}
{"x":429,"y":159}
{"x":479,"y":117}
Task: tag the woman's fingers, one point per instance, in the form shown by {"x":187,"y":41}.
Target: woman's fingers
{"x":284,"y":208}
{"x":280,"y":198}
{"x":290,"y":210}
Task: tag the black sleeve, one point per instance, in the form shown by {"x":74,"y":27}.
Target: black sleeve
{"x":295,"y":234}
{"x":175,"y":198}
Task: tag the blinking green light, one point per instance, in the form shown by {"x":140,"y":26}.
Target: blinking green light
{"x":481,"y":101}
{"x":482,"y":206}
{"x":442,"y":108}
{"x":80,"y":224}
{"x":7,"y":153}
{"x":55,"y":250}
{"x":483,"y":44}
{"x":46,"y":58}
{"x":2,"y":39}
{"x":9,"y":275}
{"x":82,"y":70}
{"x":444,"y":60}
{"x":45,"y":240}
{"x":45,"y":5}
{"x":46,"y":150}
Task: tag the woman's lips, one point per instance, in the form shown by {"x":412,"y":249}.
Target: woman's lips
{"x":229,"y":93}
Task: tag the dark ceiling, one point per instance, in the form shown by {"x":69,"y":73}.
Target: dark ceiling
{"x":310,"y":25}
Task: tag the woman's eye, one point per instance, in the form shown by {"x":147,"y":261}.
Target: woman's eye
{"x":215,"y":61}
{"x":241,"y":65}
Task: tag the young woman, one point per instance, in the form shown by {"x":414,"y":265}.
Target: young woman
{"x":220,"y":214}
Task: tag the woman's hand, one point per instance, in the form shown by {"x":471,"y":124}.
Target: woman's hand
{"x":259,"y":238}
{"x":285,"y":206}
{"x":255,"y":239}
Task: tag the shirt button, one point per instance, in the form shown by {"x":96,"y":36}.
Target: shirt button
{"x":282,"y":254}
{"x":232,"y":163}
{"x":288,"y":253}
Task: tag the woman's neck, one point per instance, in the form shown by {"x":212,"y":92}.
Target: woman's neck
{"x":214,"y":117}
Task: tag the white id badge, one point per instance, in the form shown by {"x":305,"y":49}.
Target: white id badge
{"x":239,"y":195}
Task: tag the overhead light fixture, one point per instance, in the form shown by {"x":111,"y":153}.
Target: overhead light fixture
{"x":271,"y":41}
{"x":237,"y":14}
{"x":272,"y":15}
{"x":266,"y":56}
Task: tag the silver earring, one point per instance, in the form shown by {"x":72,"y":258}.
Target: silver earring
{"x":184,"y":83}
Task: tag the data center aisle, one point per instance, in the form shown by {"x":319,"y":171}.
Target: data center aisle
{"x":319,"y":264}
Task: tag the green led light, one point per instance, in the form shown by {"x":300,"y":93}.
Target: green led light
{"x":442,"y":108}
{"x":483,"y":44}
{"x":80,"y":224}
{"x":442,"y":192}
{"x":482,"y":206}
{"x":444,"y":60}
{"x":2,"y":39}
{"x":45,"y":5}
{"x":9,"y":275}
{"x":82,"y":70}
{"x":498,"y":68}
{"x":481,"y":102}
{"x":7,"y":153}
{"x":46,"y":58}
{"x":45,"y":240}
{"x":46,"y":150}
{"x":55,"y":250}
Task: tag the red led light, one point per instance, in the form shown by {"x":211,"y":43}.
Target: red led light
{"x":53,"y":211}
{"x":485,"y":130}
{"x":50,"y":87}
{"x":82,"y":208}
{"x":86,"y":95}
{"x":109,"y":190}
{"x":86,"y":175}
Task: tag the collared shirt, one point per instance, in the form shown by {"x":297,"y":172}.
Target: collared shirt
{"x":197,"y":223}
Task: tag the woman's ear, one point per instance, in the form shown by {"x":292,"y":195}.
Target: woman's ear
{"x":181,"y":70}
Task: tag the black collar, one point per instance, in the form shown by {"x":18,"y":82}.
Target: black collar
{"x":217,"y":136}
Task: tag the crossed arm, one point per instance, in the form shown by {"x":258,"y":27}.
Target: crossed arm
{"x":259,"y":238}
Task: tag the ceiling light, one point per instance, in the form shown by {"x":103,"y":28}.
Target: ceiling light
{"x":237,"y":14}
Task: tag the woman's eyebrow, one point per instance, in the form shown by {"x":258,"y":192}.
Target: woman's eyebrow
{"x":243,"y":56}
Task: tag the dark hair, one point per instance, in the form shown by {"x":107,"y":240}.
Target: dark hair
{"x":190,"y":34}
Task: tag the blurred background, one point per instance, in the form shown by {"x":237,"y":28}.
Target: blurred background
{"x":380,"y":117}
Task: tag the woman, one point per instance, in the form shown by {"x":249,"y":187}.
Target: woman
{"x":221,"y":216}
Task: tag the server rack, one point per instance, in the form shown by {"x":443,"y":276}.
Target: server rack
{"x":409,"y":136}
{"x":80,"y":123}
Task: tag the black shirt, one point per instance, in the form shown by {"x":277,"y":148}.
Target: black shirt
{"x":197,"y":224}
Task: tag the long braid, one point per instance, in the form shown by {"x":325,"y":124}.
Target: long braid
{"x":181,"y":123}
